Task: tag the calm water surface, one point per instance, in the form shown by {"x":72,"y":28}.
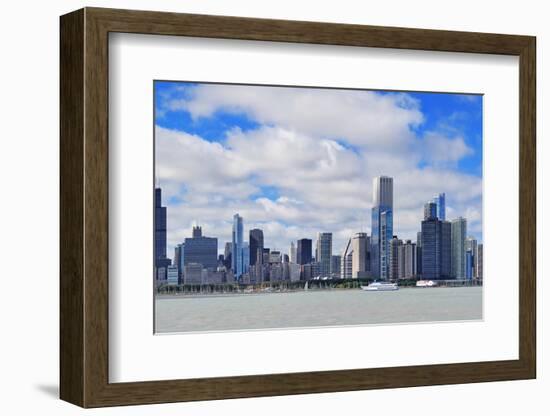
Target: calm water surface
{"x":316,"y":308}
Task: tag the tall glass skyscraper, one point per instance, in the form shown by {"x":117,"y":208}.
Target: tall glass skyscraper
{"x":237,"y":249}
{"x":303,"y":251}
{"x":256,"y":239}
{"x":439,"y":201}
{"x":381,"y":226}
{"x":436,"y":249}
{"x":324,"y":253}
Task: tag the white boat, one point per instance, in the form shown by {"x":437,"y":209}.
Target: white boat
{"x":380,"y":286}
{"x":425,"y":283}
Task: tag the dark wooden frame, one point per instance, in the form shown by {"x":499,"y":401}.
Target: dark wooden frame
{"x":84,"y":207}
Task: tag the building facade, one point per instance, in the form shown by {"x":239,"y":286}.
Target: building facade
{"x":359,"y":245}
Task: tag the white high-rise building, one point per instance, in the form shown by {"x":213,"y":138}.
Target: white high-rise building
{"x":346,"y":261}
{"x":359,"y":256}
{"x":292,"y":252}
{"x":382,"y":191}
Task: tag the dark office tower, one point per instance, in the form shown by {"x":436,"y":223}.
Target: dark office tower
{"x":179,"y":254}
{"x":381,"y":226}
{"x":436,"y":249}
{"x":303,"y":251}
{"x":256,"y":240}
{"x":419,"y":253}
{"x":161,"y":262}
{"x":160,"y":226}
{"x":201,"y":250}
{"x":197,"y":231}
{"x":430,"y":210}
{"x":227,"y":255}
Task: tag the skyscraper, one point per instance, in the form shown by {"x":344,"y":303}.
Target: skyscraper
{"x":197,"y":231}
{"x":430,"y":210}
{"x":201,"y":250}
{"x":237,"y":246}
{"x":439,"y":200}
{"x":393,"y":253}
{"x":256,"y":239}
{"x":436,"y":249}
{"x":227,"y":255}
{"x":292,"y":252}
{"x":324,"y":253}
{"x":179,"y":255}
{"x":479,"y":262}
{"x":471,"y":269}
{"x":458,"y":238}
{"x":161,"y":262}
{"x":303,"y":251}
{"x":335,"y":264}
{"x":359,"y":256}
{"x":409,"y":261}
{"x":245,"y":257}
{"x":382,"y":225}
{"x":346,"y":262}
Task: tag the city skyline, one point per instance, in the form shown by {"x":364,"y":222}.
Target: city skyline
{"x":291,"y":180}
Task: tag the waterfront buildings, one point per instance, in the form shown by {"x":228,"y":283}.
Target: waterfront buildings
{"x":237,"y":246}
{"x":324,"y":253}
{"x":458,"y":257}
{"x":382,"y":226}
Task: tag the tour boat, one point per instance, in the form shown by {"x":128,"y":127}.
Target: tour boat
{"x":380,"y":286}
{"x":425,"y":283}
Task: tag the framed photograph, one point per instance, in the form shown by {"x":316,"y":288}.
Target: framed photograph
{"x":254,"y":207}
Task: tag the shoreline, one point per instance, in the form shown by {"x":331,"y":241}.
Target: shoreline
{"x":181,"y":295}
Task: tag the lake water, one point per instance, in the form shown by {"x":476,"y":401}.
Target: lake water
{"x":316,"y":308}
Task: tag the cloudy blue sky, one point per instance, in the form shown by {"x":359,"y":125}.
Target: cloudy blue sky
{"x":297,"y":161}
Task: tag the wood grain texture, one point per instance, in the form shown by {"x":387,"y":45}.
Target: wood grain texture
{"x":71,"y":208}
{"x":84,"y":207}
